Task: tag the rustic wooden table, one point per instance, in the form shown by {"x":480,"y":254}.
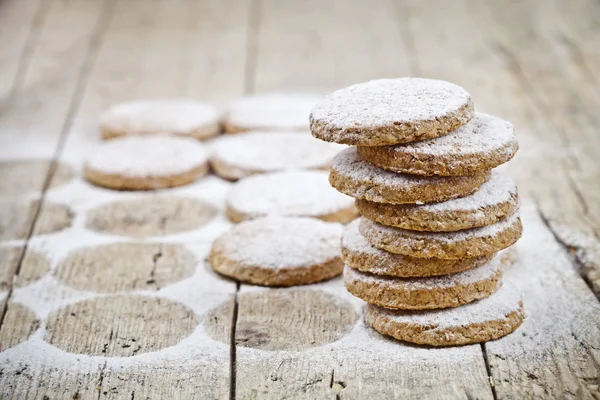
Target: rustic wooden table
{"x":106,"y":295}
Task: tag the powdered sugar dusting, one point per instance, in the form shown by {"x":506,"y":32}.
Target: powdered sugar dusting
{"x":353,"y":240}
{"x":293,"y":193}
{"x":493,"y":308}
{"x":272,"y":111}
{"x":489,"y":231}
{"x":349,"y":164}
{"x":156,"y":155}
{"x":178,"y":116}
{"x":273,"y":151}
{"x":385,"y":102}
{"x":275,"y":242}
{"x":484,"y":134}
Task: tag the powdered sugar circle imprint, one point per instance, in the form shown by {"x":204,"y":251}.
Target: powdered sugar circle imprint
{"x":425,"y":293}
{"x":236,"y":156}
{"x":480,"y":321}
{"x":278,"y":251}
{"x":29,"y":176}
{"x":482,"y":144}
{"x":126,"y":266}
{"x":449,"y":245}
{"x":136,"y":162}
{"x":495,"y":200}
{"x":288,"y":111}
{"x":150,"y":216}
{"x":18,"y":325}
{"x":358,"y":253}
{"x":292,"y":193}
{"x":391,"y":111}
{"x":17,"y":217}
{"x":119,"y":326}
{"x":283,"y":320}
{"x":178,"y":116}
{"x":355,"y":177}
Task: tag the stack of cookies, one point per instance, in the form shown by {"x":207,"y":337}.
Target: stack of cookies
{"x":429,"y":252}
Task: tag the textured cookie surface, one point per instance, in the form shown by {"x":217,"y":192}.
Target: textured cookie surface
{"x":236,"y":156}
{"x":359,"y":254}
{"x":141,"y":163}
{"x":290,"y":193}
{"x":425,"y":293}
{"x":480,"y":145}
{"x":268,"y":111}
{"x":178,"y":116}
{"x":279,"y":251}
{"x":480,"y":321}
{"x":391,"y":111}
{"x":469,"y":243}
{"x":495,"y":200}
{"x":357,"y":178}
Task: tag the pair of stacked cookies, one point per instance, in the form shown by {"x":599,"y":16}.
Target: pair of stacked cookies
{"x":435,"y":215}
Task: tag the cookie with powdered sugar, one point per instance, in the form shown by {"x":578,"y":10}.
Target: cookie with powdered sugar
{"x":278,"y":251}
{"x":484,"y":143}
{"x":480,"y":321}
{"x":355,"y":177}
{"x":176,"y":116}
{"x":391,"y":111}
{"x":468,"y":243}
{"x":425,"y":293}
{"x":495,"y":200}
{"x":237,"y":156}
{"x":146,"y":163}
{"x":270,"y":111}
{"x":361,"y":255}
{"x":289,"y":193}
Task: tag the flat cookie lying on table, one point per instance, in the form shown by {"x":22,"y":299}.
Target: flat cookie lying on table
{"x":237,"y":156}
{"x":482,"y":144}
{"x":292,"y":193}
{"x":495,"y":200}
{"x":355,"y":177}
{"x":391,"y":111}
{"x":178,"y":116}
{"x":146,"y":163}
{"x":277,"y":251}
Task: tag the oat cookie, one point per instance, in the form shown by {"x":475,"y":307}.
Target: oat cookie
{"x":236,"y":156}
{"x":177,"y":116}
{"x":425,"y":293}
{"x":289,"y":193}
{"x":468,"y":243}
{"x":145,"y":163}
{"x":391,"y":111}
{"x":480,"y":321}
{"x":495,"y":200}
{"x":355,"y":177}
{"x":480,"y":145}
{"x":269,"y":111}
{"x":279,"y":251}
{"x":359,"y":254}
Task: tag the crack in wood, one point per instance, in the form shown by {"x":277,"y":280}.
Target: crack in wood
{"x":233,"y":346}
{"x":489,"y":371}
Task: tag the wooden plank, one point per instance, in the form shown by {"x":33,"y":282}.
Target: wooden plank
{"x":19,"y":24}
{"x":177,"y":359}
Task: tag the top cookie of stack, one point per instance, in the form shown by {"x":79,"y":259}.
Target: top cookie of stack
{"x":422,"y":178}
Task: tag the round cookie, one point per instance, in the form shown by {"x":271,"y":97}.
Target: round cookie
{"x":359,"y":254}
{"x":145,"y":163}
{"x":425,"y":293}
{"x":237,"y":156}
{"x":474,"y":242}
{"x":278,"y":251}
{"x":391,"y":111}
{"x":482,"y":144}
{"x":290,"y":193}
{"x":480,"y":321}
{"x":357,"y":178}
{"x":495,"y":200}
{"x":267,"y":111}
{"x":177,"y":116}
